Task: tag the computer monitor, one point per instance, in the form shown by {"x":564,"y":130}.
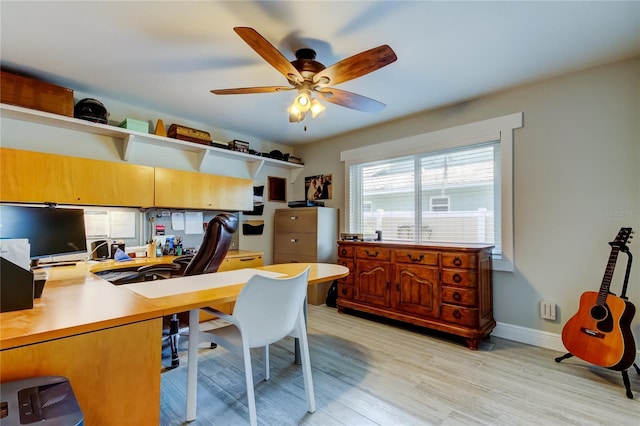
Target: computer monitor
{"x":51,"y":231}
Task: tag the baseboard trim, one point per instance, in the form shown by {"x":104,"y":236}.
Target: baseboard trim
{"x":529,"y":336}
{"x":543,"y":339}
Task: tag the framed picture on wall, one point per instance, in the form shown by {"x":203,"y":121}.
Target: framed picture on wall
{"x":277,"y":189}
{"x":317,"y":187}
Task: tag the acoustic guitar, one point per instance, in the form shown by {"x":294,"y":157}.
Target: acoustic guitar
{"x":600,"y":332}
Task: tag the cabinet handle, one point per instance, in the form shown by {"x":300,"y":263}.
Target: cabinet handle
{"x":457,"y":277}
{"x":457,"y":296}
{"x":294,"y":240}
{"x":388,"y":285}
{"x":415,"y":259}
{"x":457,"y":314}
{"x":457,"y":261}
{"x":397,"y":286}
{"x":294,"y":217}
{"x":247,"y":259}
{"x":372,"y":254}
{"x":344,"y":291}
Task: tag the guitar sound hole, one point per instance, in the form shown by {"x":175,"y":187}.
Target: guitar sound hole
{"x":598,"y":313}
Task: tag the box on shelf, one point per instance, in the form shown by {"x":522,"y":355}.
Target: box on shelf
{"x":188,"y":134}
{"x":137,"y":125}
{"x":35,"y":94}
{"x":240,"y":146}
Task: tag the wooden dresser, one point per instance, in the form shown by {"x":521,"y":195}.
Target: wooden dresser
{"x":306,"y":234}
{"x":442,"y":287}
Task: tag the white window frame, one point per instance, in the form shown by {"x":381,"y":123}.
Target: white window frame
{"x":499,"y":128}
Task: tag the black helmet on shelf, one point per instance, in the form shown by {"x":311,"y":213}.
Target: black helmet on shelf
{"x":91,"y":110}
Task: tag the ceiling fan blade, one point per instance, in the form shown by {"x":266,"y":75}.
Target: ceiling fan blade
{"x":350,"y":100}
{"x":269,"y":53}
{"x":356,"y":66}
{"x":246,"y":90}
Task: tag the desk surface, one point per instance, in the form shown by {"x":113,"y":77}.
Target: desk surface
{"x":76,"y":301}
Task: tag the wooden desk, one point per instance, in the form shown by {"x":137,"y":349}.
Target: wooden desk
{"x":105,"y":339}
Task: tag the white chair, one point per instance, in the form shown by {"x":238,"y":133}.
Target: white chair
{"x":266,"y":311}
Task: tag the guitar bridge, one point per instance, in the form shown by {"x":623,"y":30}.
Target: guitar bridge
{"x":592,"y":333}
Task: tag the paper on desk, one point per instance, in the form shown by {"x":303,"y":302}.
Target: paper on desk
{"x":16,"y":251}
{"x":182,"y":285}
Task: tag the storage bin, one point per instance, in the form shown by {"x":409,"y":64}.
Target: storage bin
{"x":35,"y":94}
{"x":137,"y":125}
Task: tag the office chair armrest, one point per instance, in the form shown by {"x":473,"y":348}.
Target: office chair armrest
{"x":148,"y":273}
{"x":184,"y":259}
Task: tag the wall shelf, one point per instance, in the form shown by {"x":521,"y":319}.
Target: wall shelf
{"x":131,"y":137}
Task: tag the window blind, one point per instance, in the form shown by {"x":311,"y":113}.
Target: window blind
{"x":450,"y":196}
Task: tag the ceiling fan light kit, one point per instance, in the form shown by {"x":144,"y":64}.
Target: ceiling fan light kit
{"x":307,"y":76}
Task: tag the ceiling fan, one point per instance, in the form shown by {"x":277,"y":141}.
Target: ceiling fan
{"x":308,"y":76}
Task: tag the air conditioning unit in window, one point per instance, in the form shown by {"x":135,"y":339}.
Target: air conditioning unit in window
{"x":439,"y":204}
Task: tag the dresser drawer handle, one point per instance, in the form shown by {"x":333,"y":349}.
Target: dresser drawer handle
{"x":457,"y":277}
{"x":372,"y":254}
{"x":248,"y":259}
{"x":415,"y":259}
{"x":344,"y":291}
{"x":457,"y":314}
{"x":457,"y":296}
{"x":457,"y":261}
{"x":343,"y":252}
{"x":294,"y":240}
{"x":294,"y":217}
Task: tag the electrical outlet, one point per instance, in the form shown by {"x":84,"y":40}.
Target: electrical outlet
{"x":547,"y":310}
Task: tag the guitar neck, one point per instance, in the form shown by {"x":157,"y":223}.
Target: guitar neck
{"x":608,"y":275}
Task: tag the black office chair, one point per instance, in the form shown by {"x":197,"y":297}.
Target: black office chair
{"x":212,"y":251}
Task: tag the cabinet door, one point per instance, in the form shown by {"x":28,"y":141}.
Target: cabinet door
{"x":416,"y":290}
{"x":373,"y":282}
{"x":181,"y":189}
{"x":39,"y":177}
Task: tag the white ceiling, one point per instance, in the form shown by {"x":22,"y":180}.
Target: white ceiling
{"x":167,"y":55}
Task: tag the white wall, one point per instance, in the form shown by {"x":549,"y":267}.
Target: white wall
{"x":576,"y":182}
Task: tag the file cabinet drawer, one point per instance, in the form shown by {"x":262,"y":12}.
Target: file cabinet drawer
{"x":296,"y":243}
{"x":296,"y":220}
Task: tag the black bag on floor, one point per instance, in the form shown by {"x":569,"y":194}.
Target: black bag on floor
{"x":332,"y":294}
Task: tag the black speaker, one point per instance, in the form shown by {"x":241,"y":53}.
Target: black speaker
{"x":99,"y":250}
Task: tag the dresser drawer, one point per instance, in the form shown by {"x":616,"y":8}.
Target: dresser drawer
{"x":373,"y":253}
{"x":296,"y":220}
{"x":458,"y":315}
{"x":345,"y":291}
{"x":460,"y":296}
{"x":347,"y":263}
{"x":345,"y":251}
{"x":459,"y":260}
{"x":290,"y":242}
{"x":459,"y":277}
{"x":417,"y":257}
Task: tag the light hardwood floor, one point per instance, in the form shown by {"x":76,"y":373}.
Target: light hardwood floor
{"x":369,"y":372}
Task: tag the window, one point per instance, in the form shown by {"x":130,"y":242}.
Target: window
{"x":443,"y":196}
{"x":451,"y":186}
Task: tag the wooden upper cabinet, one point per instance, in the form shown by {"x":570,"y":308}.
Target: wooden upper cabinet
{"x":36,"y":177}
{"x":192,"y":190}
